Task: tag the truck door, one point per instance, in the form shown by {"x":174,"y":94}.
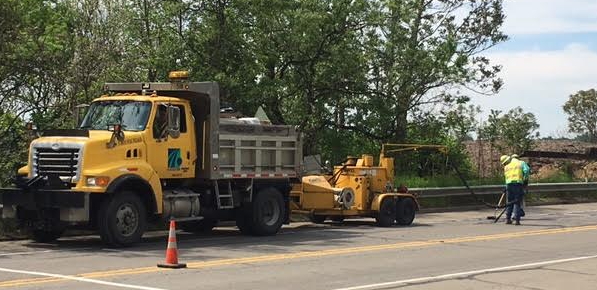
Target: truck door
{"x":172,"y":156}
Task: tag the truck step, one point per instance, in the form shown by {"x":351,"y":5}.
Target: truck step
{"x":225,"y":202}
{"x":186,"y":219}
{"x":224,"y":197}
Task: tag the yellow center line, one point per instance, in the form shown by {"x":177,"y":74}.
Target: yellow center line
{"x":305,"y":254}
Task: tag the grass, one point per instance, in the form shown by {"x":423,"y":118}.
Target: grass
{"x":558,"y":178}
{"x":443,"y":181}
{"x":452,"y":180}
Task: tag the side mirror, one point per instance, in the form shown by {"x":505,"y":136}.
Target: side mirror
{"x":173,"y":121}
{"x":117,"y":134}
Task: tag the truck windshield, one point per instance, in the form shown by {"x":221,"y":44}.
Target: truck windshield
{"x":131,"y":115}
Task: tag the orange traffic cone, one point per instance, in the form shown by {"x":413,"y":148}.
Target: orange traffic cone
{"x":172,"y":250}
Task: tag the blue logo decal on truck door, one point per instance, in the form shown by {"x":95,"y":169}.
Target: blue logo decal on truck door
{"x":174,"y":159}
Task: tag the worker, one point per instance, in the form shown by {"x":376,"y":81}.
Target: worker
{"x":526,"y":172}
{"x":160,"y":124}
{"x":514,"y":177}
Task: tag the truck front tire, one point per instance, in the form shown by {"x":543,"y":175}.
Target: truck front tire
{"x":122,"y":219}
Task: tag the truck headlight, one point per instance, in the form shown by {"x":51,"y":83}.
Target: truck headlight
{"x":101,"y":181}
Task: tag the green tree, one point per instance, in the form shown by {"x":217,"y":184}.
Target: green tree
{"x":513,"y":132}
{"x":461,"y":121}
{"x":582,"y":113}
{"x":36,"y":49}
{"x":307,"y":63}
{"x":425,"y":52}
{"x":350,"y":73}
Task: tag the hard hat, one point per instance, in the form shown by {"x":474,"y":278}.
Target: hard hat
{"x":515,"y":156}
{"x":505,"y":159}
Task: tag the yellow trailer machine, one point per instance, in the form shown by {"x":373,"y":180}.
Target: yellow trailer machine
{"x":358,"y":188}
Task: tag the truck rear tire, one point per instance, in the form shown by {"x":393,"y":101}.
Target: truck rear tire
{"x":405,"y":211}
{"x":268,"y":212}
{"x":200,"y":226}
{"x":387,"y":213}
{"x":122,"y":219}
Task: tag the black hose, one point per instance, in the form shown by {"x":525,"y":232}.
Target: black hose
{"x":478,"y":199}
{"x":336,"y":175}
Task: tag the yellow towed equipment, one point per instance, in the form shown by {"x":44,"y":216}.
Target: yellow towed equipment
{"x":357,"y":188}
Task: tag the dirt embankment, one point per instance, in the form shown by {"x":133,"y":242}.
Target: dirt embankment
{"x":485,"y":160}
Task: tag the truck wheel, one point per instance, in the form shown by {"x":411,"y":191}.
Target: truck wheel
{"x":122,"y":219}
{"x":268,"y":212}
{"x":405,"y":211}
{"x":317,"y":218}
{"x":201,"y":226}
{"x":46,"y":236}
{"x":387,"y":213}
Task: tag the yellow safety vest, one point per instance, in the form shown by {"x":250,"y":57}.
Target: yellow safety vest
{"x":513,"y":172}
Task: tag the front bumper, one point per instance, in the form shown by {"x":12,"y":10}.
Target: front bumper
{"x":72,"y":205}
{"x":42,"y":198}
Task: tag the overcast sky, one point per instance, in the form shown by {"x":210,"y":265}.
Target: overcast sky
{"x":552,"y":53}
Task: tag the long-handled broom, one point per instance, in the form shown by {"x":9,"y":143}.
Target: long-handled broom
{"x":498,"y":207}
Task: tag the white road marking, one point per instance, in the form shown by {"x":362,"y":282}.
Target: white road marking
{"x":25,"y":253}
{"x":80,"y":279}
{"x":463,"y":274}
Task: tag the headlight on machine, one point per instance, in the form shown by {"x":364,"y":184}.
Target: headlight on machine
{"x":100,"y":181}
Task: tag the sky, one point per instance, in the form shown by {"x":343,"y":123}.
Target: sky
{"x":551,"y":54}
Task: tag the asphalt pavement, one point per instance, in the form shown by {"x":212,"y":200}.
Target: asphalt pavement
{"x":554,"y":248}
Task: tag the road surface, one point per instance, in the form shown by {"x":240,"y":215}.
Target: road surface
{"x":555,"y":248}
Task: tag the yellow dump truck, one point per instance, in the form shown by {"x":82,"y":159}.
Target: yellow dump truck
{"x":151,"y":151}
{"x":148,"y":152}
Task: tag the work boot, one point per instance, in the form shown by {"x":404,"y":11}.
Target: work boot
{"x":516,"y":223}
{"x":508,"y":221}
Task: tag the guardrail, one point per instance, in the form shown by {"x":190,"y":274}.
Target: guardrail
{"x":497,"y":189}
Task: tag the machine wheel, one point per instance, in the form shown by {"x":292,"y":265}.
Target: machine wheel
{"x":45,"y":236}
{"x":337,"y":219}
{"x":387,"y":213}
{"x":122,"y":219}
{"x":201,"y":226}
{"x":405,"y":211}
{"x":317,"y":218}
{"x":268,"y":212}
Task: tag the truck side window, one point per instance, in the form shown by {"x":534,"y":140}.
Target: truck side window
{"x":160,"y":124}
{"x":183,"y":119}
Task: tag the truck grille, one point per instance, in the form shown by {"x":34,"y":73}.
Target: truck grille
{"x":62,"y":160}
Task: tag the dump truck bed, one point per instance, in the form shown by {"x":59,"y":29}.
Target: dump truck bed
{"x":258,"y":151}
